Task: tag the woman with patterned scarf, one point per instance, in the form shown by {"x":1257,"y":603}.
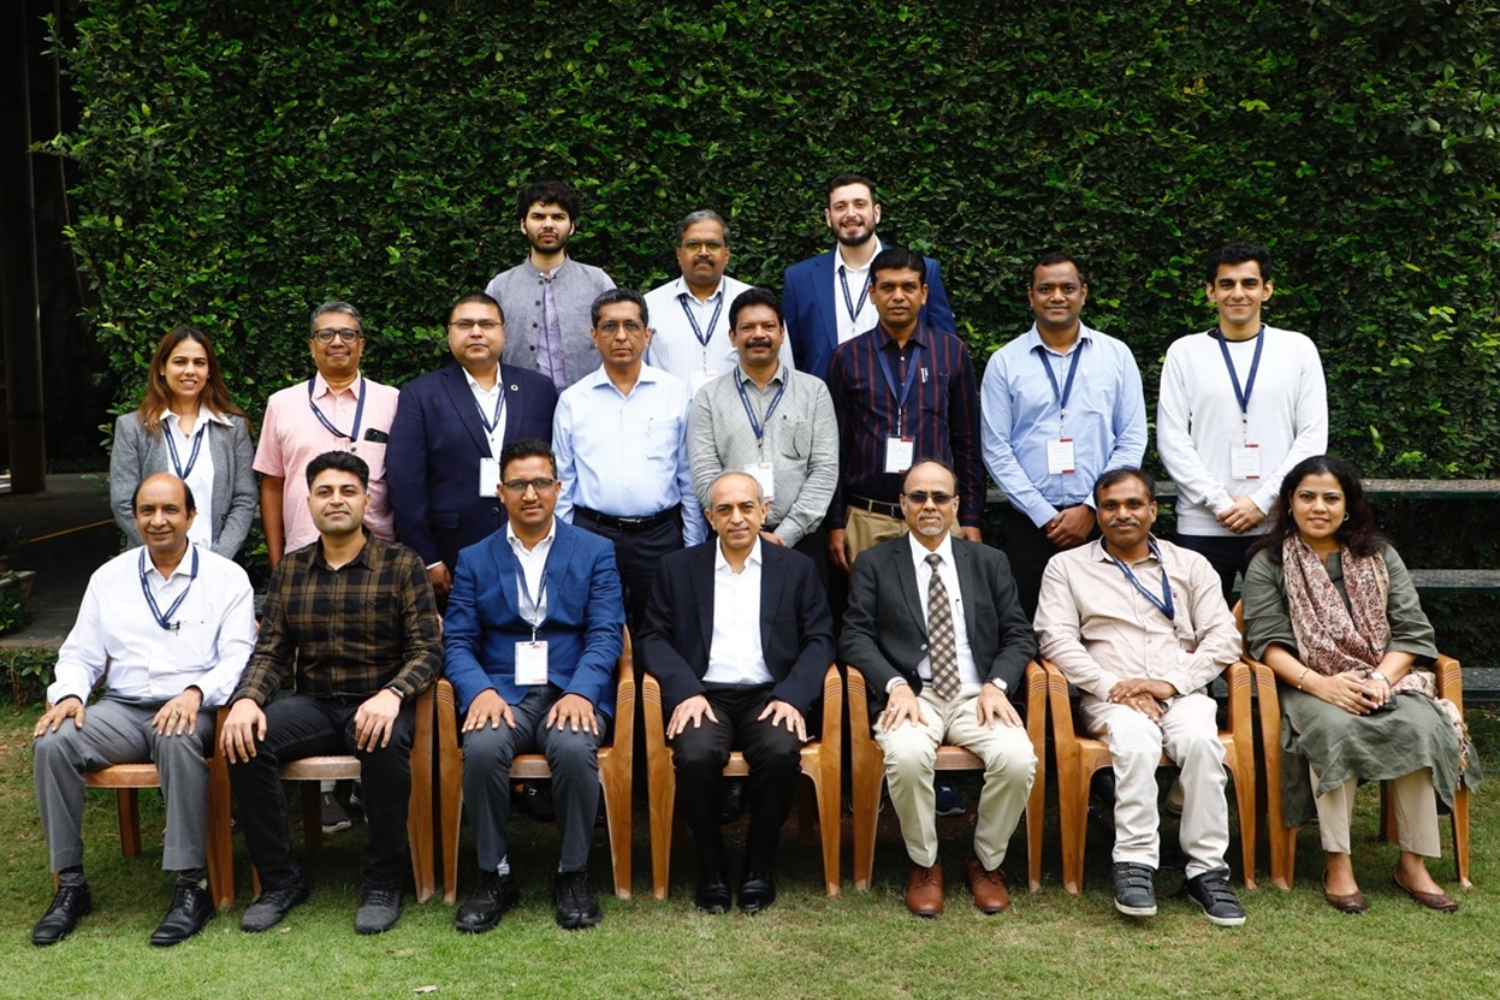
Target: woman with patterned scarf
{"x":1331,"y":609}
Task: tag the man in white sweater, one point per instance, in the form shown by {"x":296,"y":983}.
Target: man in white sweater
{"x":1240,"y":405}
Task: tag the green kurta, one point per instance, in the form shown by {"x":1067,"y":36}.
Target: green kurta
{"x":1337,"y":744}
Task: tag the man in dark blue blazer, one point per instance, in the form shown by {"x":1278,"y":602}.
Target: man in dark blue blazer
{"x":533,"y":632}
{"x":826,"y":298}
{"x":738,"y":632}
{"x":442,"y":461}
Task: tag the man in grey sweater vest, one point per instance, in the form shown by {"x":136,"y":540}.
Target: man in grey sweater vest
{"x":546,"y":299}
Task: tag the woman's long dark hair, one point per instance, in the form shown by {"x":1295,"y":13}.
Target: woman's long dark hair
{"x":215,"y":393}
{"x":1358,"y":532}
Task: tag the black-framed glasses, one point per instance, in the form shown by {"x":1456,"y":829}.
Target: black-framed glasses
{"x":487,"y":325}
{"x":540,"y":483}
{"x":920,"y":498}
{"x":325,"y":336}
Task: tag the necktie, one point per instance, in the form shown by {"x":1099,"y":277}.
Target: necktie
{"x":942,"y":644}
{"x":550,"y":357}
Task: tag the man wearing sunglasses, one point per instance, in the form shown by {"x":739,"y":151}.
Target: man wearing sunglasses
{"x":935,"y":625}
{"x":531,"y":639}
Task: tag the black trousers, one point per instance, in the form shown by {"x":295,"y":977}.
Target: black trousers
{"x":1027,"y":548}
{"x":298,"y":726}
{"x":638,"y":554}
{"x":1226,"y":553}
{"x":775,"y":759}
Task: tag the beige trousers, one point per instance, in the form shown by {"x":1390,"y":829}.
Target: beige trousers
{"x":911,"y":753}
{"x":1416,"y":814}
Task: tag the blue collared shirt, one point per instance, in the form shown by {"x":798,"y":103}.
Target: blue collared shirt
{"x":626,"y":456}
{"x":1106,"y":419}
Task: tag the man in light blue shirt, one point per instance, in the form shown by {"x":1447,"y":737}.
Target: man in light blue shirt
{"x":620,"y":435}
{"x":1060,"y":406}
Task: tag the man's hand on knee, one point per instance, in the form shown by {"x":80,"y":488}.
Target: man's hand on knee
{"x":68,"y":708}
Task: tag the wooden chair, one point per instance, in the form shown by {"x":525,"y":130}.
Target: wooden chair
{"x":867,"y":771}
{"x":1078,"y":757}
{"x":1283,"y":838}
{"x":312,"y":771}
{"x":820,"y":764}
{"x":615,"y":761}
{"x":128,"y":779}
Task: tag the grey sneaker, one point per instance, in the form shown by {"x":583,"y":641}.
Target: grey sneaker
{"x":272,"y":906}
{"x":379,"y":909}
{"x":333,"y":817}
{"x":1135,"y":889}
{"x":1212,"y":892}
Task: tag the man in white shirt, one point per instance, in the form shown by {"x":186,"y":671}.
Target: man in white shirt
{"x":690,"y":329}
{"x":1240,"y":405}
{"x":173,"y":624}
{"x":739,"y":634}
{"x":620,"y":436}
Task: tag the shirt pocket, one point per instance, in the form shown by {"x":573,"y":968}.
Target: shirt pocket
{"x":794,"y":438}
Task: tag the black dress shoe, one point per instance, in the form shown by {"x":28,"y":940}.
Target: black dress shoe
{"x":487,"y":903}
{"x":757,"y":892}
{"x":272,"y":907}
{"x":713,"y":892}
{"x":379,"y":909}
{"x":576,"y":904}
{"x":191,"y":910}
{"x":71,"y":901}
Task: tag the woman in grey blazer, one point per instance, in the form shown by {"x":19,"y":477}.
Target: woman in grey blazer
{"x":187,"y":426}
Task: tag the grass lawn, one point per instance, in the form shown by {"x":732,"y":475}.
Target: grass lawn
{"x":858,"y":945}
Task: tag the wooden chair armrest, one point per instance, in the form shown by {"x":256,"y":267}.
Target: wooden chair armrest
{"x":1036,"y":694}
{"x":857,"y":695}
{"x":1449,"y":680}
{"x":1061,"y":703}
{"x":833,"y":708}
{"x":625,"y":693}
{"x":654,"y":715}
{"x":1239,"y":680}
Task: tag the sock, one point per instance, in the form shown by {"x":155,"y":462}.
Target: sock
{"x":71,"y":875}
{"x":196,"y":876}
{"x":504,"y":867}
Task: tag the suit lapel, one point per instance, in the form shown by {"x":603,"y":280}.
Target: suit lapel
{"x":906,"y":577}
{"x":558,"y":561}
{"x":771,"y":579}
{"x":824,"y":276}
{"x":701,"y":578}
{"x":506,"y":568}
{"x":515,"y":405}
{"x":462,"y":399}
{"x":968,"y":585}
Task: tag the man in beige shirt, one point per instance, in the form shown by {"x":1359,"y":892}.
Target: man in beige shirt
{"x":1140,"y":626}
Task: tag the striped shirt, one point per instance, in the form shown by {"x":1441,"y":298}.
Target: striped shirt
{"x":941,"y":417}
{"x":370,"y":624}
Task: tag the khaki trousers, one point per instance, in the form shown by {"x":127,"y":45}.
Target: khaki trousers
{"x":911,"y":753}
{"x":1416,"y":814}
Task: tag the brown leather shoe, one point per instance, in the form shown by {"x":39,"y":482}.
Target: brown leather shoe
{"x":988,"y":887}
{"x":1353,"y":902}
{"x":924,"y":890}
{"x":1440,"y":901}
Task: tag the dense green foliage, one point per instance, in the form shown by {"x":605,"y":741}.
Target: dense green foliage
{"x":242,"y":163}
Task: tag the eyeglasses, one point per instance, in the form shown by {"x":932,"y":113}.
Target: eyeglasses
{"x":613,"y":327}
{"x":326,"y":336}
{"x":920,"y":498}
{"x":465,"y":325}
{"x":540,"y":483}
{"x":698,"y":246}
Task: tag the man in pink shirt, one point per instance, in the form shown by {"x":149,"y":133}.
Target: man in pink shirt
{"x":336,"y":410}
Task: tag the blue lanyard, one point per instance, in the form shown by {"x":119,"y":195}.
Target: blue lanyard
{"x":864,"y":293}
{"x":890,"y":380}
{"x":541,"y":593}
{"x":1243,"y":395}
{"x":703,"y":338}
{"x":193,"y":458}
{"x":755,"y":425}
{"x":359,"y":413}
{"x":165,"y":620}
{"x":1164,"y":602}
{"x":1066,"y":391}
{"x":490,"y":424}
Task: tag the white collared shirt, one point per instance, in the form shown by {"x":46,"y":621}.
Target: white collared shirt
{"x":866,"y":317}
{"x":487,"y":400}
{"x":735,"y":655}
{"x":968,"y":672}
{"x":147,"y":663}
{"x":201,"y":479}
{"x":533,"y":561}
{"x":676,"y":349}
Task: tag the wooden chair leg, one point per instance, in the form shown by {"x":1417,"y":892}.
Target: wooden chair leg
{"x":1242,"y":771}
{"x":618,"y":820}
{"x":830,"y":826}
{"x":806,"y":809}
{"x":661,"y":794}
{"x":1461,"y":835}
{"x":312,"y":815}
{"x":128,"y":803}
{"x":220,"y":834}
{"x":1388,"y":814}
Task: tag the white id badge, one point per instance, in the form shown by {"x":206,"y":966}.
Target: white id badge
{"x":764,"y":475}
{"x":531,"y":663}
{"x":489,"y":477}
{"x":898,"y":454}
{"x":1244,"y":462}
{"x":699,"y":379}
{"x":1059,"y":456}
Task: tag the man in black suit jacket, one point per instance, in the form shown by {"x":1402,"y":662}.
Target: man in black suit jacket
{"x":739,"y":634}
{"x":936,"y":626}
{"x":442,"y":462}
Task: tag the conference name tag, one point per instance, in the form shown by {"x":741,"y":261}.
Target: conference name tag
{"x":766,"y":476}
{"x":898,"y":454}
{"x":1059,"y":456}
{"x":531,"y":663}
{"x":489,"y":477}
{"x":1244,"y":461}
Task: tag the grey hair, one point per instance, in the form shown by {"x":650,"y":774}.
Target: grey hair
{"x":702,"y":215}
{"x":760,"y":494}
{"x":335,"y":306}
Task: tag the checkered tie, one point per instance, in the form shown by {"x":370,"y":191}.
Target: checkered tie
{"x":942,"y":644}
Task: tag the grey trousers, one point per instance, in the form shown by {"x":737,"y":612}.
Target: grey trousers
{"x":573,"y":759}
{"x":117,"y":732}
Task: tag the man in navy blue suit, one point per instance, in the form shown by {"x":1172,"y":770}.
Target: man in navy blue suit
{"x":442,"y":463}
{"x":827,"y":298}
{"x":531,"y":639}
